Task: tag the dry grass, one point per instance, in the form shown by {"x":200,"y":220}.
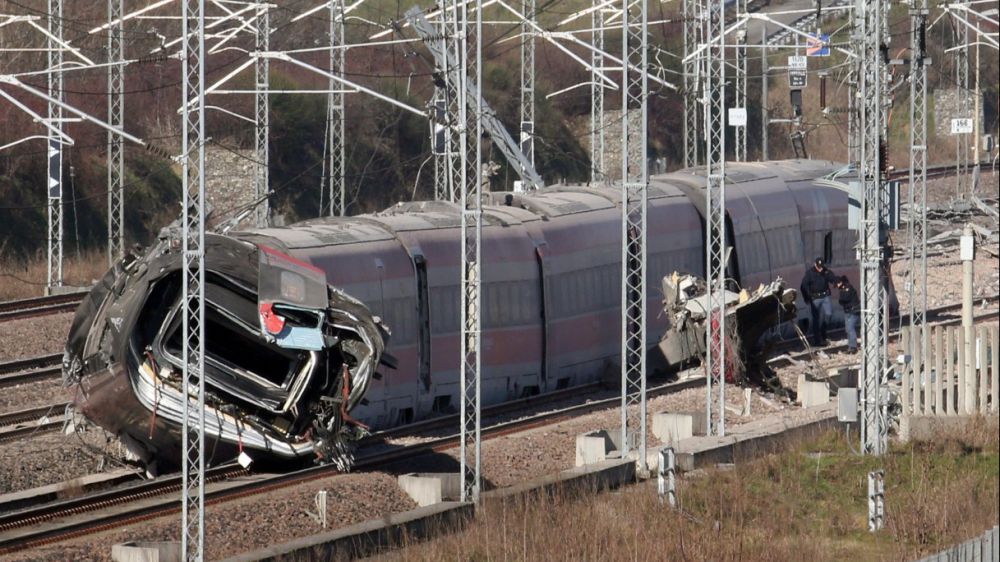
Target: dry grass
{"x":19,"y":279}
{"x":806,"y":504}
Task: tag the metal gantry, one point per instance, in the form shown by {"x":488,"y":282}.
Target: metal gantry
{"x":116,"y":148}
{"x":918,"y":184}
{"x":635,"y":180}
{"x":262,"y":114}
{"x":528,"y":82}
{"x":55,"y":122}
{"x":193,"y":272}
{"x":693,"y":32}
{"x":598,"y":171}
{"x":335,"y":114}
{"x":715,"y":223}
{"x":870,"y":71}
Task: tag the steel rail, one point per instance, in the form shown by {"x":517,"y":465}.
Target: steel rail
{"x":40,"y":306}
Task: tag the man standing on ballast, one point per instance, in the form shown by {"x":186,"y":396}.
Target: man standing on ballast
{"x":815,"y":290}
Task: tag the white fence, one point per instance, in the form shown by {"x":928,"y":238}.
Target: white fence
{"x":943,"y":383}
{"x":984,"y":548}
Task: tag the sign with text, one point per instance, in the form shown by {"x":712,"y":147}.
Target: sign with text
{"x":961,"y":126}
{"x":738,"y":116}
{"x":798,"y":62}
{"x":796,"y":79}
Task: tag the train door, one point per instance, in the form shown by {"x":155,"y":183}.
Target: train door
{"x":424,"y":321}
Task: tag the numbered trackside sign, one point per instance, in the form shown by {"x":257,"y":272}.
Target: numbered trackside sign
{"x":961,"y":126}
{"x":737,"y":117}
{"x":798,"y":62}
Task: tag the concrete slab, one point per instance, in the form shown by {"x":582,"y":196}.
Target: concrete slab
{"x":929,"y":428}
{"x":431,"y":488}
{"x":603,"y":475}
{"x":369,"y":537}
{"x":749,"y":440}
{"x":167,"y":551}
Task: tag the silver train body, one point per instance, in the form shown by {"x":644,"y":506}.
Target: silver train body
{"x":551,"y":296}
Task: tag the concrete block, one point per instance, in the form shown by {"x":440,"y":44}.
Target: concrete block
{"x":812,"y":393}
{"x":595,"y":446}
{"x":671,"y":427}
{"x":167,"y":551}
{"x":431,"y":488}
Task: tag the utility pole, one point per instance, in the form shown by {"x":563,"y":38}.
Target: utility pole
{"x":193,"y":273}
{"x":527,"y":83}
{"x":335,"y":114}
{"x":598,"y":171}
{"x":918,"y":182}
{"x":261,"y":99}
{"x":116,"y":148}
{"x":55,"y":119}
{"x":715,"y":223}
{"x":871,"y":73}
{"x":635,"y":180}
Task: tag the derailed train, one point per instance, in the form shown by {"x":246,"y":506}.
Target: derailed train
{"x":294,"y":315}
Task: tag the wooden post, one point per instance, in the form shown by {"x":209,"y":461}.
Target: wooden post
{"x":938,"y":346}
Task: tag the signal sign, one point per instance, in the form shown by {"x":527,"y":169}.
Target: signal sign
{"x":796,"y":79}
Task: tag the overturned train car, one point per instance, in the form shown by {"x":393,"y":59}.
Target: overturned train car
{"x":551,"y":307}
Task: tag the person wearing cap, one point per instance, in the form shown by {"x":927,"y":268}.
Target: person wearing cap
{"x":815,"y":290}
{"x":851,"y":304}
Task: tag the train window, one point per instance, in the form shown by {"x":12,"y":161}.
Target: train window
{"x":828,"y":247}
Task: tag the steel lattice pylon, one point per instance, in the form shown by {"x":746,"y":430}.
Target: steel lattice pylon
{"x":335,"y":114}
{"x":870,"y":71}
{"x":528,"y":82}
{"x":962,"y":183}
{"x":467,"y":46}
{"x":193,"y":291}
{"x":598,"y":170}
{"x":116,"y":154}
{"x":55,"y":115}
{"x":693,"y":32}
{"x":740,"y":133}
{"x":918,"y":186}
{"x":715,"y":222}
{"x":635,"y":179}
{"x":261,"y":98}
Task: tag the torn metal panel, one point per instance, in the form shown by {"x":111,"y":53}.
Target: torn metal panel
{"x":748,"y":317}
{"x":286,"y":356}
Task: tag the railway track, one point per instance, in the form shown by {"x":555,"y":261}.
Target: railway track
{"x":14,"y":425}
{"x":144,"y":500}
{"x":40,"y":306}
{"x":20,"y":371}
{"x":148,"y":499}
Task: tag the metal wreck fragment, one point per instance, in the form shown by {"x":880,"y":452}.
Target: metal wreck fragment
{"x":748,"y":317}
{"x":286,"y":356}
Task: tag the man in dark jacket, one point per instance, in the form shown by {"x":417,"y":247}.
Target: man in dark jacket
{"x":815,"y":290}
{"x":851,"y":304}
